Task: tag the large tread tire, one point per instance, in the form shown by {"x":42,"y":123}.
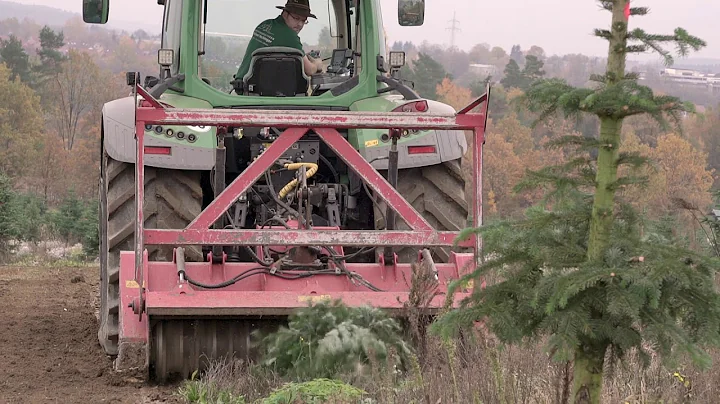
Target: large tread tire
{"x":438,"y":194}
{"x":173,"y":198}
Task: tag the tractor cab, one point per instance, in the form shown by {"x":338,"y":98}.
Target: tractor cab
{"x":347,"y":36}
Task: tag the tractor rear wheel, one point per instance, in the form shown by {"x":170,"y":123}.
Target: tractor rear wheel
{"x":173,"y":198}
{"x":438,"y":194}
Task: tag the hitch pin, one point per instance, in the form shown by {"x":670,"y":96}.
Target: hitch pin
{"x":180,"y":261}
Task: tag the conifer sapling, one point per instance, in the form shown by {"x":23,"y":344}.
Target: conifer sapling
{"x":576,"y":269}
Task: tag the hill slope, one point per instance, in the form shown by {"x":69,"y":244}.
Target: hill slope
{"x":55,"y":17}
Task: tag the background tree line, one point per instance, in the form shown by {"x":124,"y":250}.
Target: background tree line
{"x":50,"y":103}
{"x":686,"y":160}
{"x":55,"y":81}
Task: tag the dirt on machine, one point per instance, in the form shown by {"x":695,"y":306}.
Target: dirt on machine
{"x":226,"y":203}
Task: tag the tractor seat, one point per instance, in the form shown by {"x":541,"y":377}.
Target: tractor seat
{"x":276,"y":72}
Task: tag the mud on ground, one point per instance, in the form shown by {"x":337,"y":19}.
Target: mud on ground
{"x":48,"y":342}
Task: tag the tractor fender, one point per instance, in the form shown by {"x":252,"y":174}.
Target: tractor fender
{"x":118,"y":117}
{"x":450,"y":144}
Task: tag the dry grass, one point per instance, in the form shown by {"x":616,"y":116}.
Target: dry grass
{"x":476,"y":369}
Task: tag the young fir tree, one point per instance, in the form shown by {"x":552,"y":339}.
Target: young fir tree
{"x":577,"y":269}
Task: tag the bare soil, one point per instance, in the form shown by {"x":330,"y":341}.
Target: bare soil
{"x":48,"y":342}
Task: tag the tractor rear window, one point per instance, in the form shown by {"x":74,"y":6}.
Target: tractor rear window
{"x":231,"y":23}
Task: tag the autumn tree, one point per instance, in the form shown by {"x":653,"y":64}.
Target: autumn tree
{"x":705,"y":130}
{"x":577,"y":269}
{"x":678,"y":172}
{"x":73,"y":92}
{"x":503,"y":169}
{"x":537,"y":51}
{"x":450,"y":93}
{"x":480,"y":53}
{"x":20,"y":125}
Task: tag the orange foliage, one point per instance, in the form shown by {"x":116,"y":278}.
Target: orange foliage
{"x":679,"y":172}
{"x":502,"y":169}
{"x":453,"y":95}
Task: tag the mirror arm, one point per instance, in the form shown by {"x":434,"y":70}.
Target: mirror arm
{"x":399,"y":86}
{"x":166,"y":84}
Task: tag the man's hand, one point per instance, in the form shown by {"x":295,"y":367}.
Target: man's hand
{"x":312,"y":66}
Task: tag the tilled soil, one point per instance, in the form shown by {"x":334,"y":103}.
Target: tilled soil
{"x":48,"y":342}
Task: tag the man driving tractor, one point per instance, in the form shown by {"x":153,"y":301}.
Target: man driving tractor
{"x":282,"y":31}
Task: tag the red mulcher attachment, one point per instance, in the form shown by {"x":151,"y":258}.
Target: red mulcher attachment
{"x":188,"y":312}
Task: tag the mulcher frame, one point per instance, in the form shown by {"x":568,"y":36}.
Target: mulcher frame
{"x":159,"y":289}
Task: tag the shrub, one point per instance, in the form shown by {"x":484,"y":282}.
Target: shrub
{"x":328,"y":339}
{"x":315,"y":391}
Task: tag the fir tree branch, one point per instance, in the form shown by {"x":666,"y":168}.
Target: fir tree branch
{"x":598,"y":78}
{"x":607,"y":4}
{"x":581,"y":142}
{"x":684,"y":41}
{"x":636,"y":49}
{"x":633,"y":159}
{"x":623,"y":182}
{"x":639,"y":11}
{"x":603,"y":33}
{"x":549,"y":96}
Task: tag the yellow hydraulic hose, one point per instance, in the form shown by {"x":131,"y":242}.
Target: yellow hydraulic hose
{"x":311,"y":170}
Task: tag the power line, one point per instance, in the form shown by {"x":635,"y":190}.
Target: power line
{"x":453,"y":29}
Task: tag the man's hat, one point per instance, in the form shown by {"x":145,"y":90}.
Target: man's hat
{"x":299,"y":7}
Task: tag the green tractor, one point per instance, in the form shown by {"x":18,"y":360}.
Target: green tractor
{"x":203,"y":44}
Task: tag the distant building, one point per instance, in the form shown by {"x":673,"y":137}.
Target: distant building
{"x":482,"y":70}
{"x":689,"y":76}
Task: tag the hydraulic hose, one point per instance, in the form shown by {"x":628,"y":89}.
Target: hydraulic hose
{"x":311,"y":170}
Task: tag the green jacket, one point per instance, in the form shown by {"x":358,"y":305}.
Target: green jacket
{"x":272,"y":32}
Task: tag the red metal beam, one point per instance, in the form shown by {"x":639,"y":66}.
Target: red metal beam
{"x":301,"y":237}
{"x":248,"y":177}
{"x":272,"y":303}
{"x":139,"y":198}
{"x":341,"y":147}
{"x":370,"y":175}
{"x":307,"y":119}
{"x":148,"y":97}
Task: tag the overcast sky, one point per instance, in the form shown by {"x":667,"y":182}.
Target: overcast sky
{"x":559,"y":26}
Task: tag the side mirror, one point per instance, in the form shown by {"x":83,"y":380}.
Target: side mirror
{"x":95,"y":11}
{"x":411,"y":13}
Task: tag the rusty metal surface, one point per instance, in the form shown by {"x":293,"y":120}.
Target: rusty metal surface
{"x":305,"y":119}
{"x":246,"y":178}
{"x":263,"y":293}
{"x":304,"y":237}
{"x":139,"y":216}
{"x":374,"y":180}
{"x":131,"y":329}
{"x":325,"y":123}
{"x":221,"y":303}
